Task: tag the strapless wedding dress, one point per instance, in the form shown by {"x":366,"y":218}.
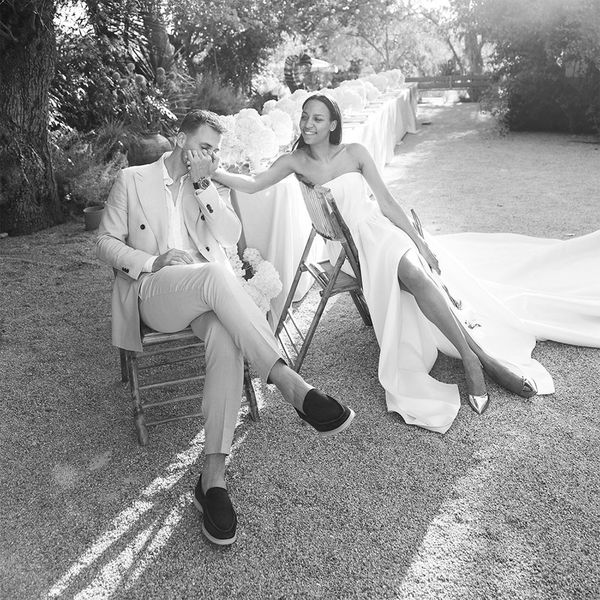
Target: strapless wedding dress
{"x":513,"y":290}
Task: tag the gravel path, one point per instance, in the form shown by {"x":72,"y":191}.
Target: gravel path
{"x":502,"y":506}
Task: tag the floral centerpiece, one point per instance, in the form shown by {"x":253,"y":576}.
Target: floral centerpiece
{"x":258,"y":277}
{"x":349,"y":99}
{"x":251,"y":140}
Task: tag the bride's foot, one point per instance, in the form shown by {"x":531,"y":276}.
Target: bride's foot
{"x":478,"y":396}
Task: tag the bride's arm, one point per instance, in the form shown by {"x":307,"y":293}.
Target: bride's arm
{"x":250,"y":184}
{"x":389,"y":206}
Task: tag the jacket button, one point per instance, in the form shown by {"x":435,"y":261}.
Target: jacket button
{"x":142,"y":226}
{"x":209,"y":208}
{"x":207,"y":249}
{"x":125,"y":269}
{"x":203,"y":217}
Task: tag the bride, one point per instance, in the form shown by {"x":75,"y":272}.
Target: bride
{"x":412,"y":315}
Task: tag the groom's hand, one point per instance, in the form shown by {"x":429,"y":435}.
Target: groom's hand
{"x":171,"y":257}
{"x":201,"y":163}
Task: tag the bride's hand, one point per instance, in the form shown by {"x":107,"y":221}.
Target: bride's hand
{"x":429,"y":256}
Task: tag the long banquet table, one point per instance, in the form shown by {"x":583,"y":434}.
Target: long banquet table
{"x":275,"y":220}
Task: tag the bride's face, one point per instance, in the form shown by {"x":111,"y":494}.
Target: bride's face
{"x":315,"y":122}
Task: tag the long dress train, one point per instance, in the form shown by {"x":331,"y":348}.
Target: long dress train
{"x":505,"y":312}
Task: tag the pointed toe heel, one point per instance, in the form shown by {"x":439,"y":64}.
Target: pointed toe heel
{"x":479,"y":403}
{"x":529,"y":388}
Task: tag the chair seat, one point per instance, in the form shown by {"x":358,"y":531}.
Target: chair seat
{"x":151,"y":337}
{"x":163,"y":360}
{"x":343,"y":281}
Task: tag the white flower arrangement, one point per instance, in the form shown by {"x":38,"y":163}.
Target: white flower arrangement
{"x":386,"y":80}
{"x":348,"y":99}
{"x":268,"y":106}
{"x":281,"y":124}
{"x":293,"y":107}
{"x":299,"y":96}
{"x":248,"y":140}
{"x":252,"y":140}
{"x":371,"y":91}
{"x":379,"y":80}
{"x":395,"y":78}
{"x":357,"y":85}
{"x":259,"y":278}
{"x":266,"y":83}
{"x":232,"y":148}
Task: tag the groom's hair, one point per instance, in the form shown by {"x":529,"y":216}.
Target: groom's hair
{"x":198,"y":117}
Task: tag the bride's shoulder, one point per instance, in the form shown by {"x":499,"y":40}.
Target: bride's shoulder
{"x":356,"y":149}
{"x":354,"y":155}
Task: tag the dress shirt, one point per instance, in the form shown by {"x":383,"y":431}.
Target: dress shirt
{"x":177,"y":234}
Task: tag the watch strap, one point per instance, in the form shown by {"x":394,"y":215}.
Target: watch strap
{"x":202,"y":184}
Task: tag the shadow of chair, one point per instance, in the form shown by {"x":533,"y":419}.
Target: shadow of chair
{"x":327,"y":222}
{"x":165,"y":362}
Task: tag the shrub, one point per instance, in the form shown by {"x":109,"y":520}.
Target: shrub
{"x":547,"y":66}
{"x":85,"y":165}
{"x":211,"y":94}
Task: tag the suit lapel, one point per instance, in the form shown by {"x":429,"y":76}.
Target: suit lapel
{"x":152,"y":197}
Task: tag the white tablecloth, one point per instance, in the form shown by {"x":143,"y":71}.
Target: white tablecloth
{"x":275,"y":220}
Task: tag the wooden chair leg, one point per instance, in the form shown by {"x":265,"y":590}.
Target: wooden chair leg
{"x":139,"y":418}
{"x":361,"y":306}
{"x":250,"y":394}
{"x":299,"y":271}
{"x":122,"y":358}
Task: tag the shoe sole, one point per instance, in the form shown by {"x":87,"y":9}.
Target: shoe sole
{"x":208,"y":536}
{"x":341,"y":428}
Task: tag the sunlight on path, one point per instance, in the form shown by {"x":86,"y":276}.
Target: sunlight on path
{"x":131,"y":562}
{"x":464,"y":541}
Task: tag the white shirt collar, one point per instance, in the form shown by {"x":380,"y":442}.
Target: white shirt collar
{"x":166,"y":177}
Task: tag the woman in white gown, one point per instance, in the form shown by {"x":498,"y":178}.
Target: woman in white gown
{"x":411,"y":316}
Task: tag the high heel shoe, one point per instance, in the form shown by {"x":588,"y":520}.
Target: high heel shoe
{"x":479,"y":403}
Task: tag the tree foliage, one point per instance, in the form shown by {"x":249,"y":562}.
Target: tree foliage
{"x":547,"y":61}
{"x":109,"y":67}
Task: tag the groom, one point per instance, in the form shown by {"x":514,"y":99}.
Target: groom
{"x":163,"y":230}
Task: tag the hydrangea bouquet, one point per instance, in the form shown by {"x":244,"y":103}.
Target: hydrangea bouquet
{"x":251,"y":140}
{"x":258,"y":277}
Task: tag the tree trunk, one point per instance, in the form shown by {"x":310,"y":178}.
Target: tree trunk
{"x":28,"y":194}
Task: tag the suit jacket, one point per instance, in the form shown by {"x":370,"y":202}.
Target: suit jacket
{"x":134,"y":228}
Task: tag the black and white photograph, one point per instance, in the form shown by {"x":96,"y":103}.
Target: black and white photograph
{"x":300,"y":300}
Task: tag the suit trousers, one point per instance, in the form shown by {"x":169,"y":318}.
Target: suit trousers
{"x":209,"y":298}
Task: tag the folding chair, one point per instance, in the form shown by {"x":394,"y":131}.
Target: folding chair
{"x":327,"y":221}
{"x":174,"y":351}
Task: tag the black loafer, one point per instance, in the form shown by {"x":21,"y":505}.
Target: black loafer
{"x":219,"y":521}
{"x":325,"y":413}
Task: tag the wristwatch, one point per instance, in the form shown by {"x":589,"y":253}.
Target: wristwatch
{"x":202,"y":184}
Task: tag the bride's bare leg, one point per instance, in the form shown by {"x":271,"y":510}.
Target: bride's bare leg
{"x":433,"y":305}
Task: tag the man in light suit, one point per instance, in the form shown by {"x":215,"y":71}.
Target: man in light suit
{"x":163,"y":229}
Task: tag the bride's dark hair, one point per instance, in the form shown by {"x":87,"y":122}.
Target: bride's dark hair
{"x":335,"y":136}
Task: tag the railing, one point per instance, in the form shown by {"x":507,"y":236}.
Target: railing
{"x":449,"y":82}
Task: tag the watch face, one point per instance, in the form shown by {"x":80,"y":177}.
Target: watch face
{"x":202,"y":184}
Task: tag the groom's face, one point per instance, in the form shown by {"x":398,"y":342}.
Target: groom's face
{"x":203,"y":139}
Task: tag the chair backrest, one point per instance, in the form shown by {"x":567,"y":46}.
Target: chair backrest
{"x":319,"y":202}
{"x":327,"y":220}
